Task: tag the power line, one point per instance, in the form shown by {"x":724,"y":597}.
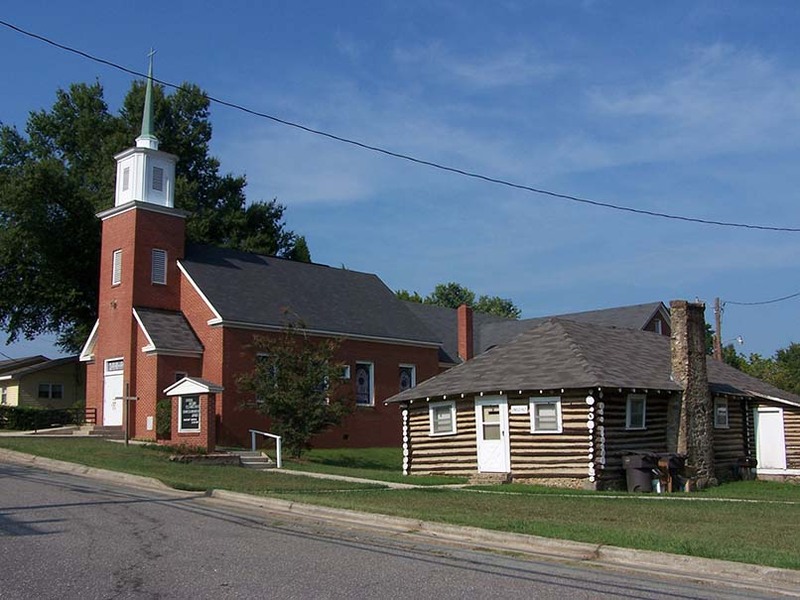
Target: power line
{"x":409,"y":158}
{"x":773,"y":301}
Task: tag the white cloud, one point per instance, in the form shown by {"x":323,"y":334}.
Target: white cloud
{"x":505,"y":68}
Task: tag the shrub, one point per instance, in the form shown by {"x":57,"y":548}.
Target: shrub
{"x":26,"y":418}
{"x":164,"y":419}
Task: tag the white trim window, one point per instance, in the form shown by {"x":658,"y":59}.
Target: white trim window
{"x":3,"y":395}
{"x":721,"y":413}
{"x":442,"y":417}
{"x":408,"y":377}
{"x":365,"y":384}
{"x":116,"y":267}
{"x":158,"y":273}
{"x":636,"y":411}
{"x":546,"y":414}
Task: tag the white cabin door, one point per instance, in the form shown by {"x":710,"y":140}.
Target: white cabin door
{"x":112,"y":392}
{"x":770,"y":443}
{"x":491,"y":420}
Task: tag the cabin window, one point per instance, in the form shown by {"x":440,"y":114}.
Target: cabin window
{"x":635,"y":411}
{"x":365,"y":384}
{"x":51,"y":391}
{"x":442,"y":417}
{"x":408,"y":377}
{"x":116,"y":267}
{"x":546,"y":414}
{"x":158,"y":272}
{"x":720,"y":413}
{"x":158,"y":179}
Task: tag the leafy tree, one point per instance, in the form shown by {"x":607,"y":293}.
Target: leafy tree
{"x":453,"y":295}
{"x":781,"y":370}
{"x":54,"y":179}
{"x":298,"y":384}
{"x":409,"y":296}
{"x":495,"y":305}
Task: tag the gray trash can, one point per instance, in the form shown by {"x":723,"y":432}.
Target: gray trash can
{"x":639,"y":468}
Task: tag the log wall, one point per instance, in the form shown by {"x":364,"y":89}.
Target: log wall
{"x":446,"y":454}
{"x":791,"y":433}
{"x":732,"y":443}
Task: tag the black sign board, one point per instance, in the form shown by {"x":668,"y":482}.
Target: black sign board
{"x":190,"y":413}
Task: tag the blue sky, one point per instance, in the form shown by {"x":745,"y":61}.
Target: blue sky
{"x":690,"y":108}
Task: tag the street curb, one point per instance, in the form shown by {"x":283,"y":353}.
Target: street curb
{"x":60,"y":466}
{"x":646,"y":562}
{"x":692,"y":568}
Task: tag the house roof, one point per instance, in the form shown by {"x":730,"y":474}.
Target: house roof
{"x":26,"y":368}
{"x":255,"y":290}
{"x":167,"y":331}
{"x":443,"y":322}
{"x":636,"y":316}
{"x":14,"y":364}
{"x":558,"y":354}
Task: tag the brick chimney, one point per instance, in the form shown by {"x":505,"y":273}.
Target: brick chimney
{"x":695,"y":433}
{"x":465,"y":338}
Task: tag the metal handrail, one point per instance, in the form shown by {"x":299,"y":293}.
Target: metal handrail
{"x":277,"y":439}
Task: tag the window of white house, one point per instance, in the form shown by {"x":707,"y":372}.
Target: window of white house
{"x":51,"y":391}
{"x":546,"y":414}
{"x":116,"y":267}
{"x":442,"y":417}
{"x":408,"y":377}
{"x":720,"y":413}
{"x":158,"y":179}
{"x":126,"y":178}
{"x":3,"y":395}
{"x":365,"y":384}
{"x":159,"y":270}
{"x":635,"y":411}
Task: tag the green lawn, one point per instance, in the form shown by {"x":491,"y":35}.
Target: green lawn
{"x":765,"y":533}
{"x":381,"y":464}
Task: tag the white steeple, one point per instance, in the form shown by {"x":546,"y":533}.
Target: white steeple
{"x":144,"y":173}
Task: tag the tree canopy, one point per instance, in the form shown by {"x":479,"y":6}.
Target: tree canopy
{"x":781,"y":370}
{"x":60,"y":173}
{"x":453,"y":295}
{"x":298,"y":384}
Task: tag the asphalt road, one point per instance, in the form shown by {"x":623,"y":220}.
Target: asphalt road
{"x":63,"y":536}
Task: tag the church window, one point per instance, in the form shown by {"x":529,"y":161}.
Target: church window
{"x":158,"y":179}
{"x":116,"y":268}
{"x":159,"y":270}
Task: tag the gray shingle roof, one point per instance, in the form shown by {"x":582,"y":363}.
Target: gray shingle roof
{"x":264,"y":290}
{"x":444,"y":323}
{"x":622,"y":317}
{"x":566,"y":354}
{"x":15,"y":364}
{"x":32,"y":365}
{"x":169,"y":330}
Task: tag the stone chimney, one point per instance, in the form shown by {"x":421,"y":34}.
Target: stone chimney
{"x":695,"y":433}
{"x":465,"y":339}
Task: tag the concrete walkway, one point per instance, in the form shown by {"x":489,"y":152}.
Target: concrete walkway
{"x":724,"y":573}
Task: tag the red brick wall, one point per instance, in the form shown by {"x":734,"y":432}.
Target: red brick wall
{"x":367,"y":426}
{"x":118,"y":334}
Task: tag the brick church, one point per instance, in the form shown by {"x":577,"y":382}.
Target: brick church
{"x":172,"y":312}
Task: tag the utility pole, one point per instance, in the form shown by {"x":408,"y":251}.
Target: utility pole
{"x":718,"y":330}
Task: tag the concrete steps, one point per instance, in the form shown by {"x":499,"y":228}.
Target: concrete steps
{"x":489,"y":478}
{"x":255,"y":460}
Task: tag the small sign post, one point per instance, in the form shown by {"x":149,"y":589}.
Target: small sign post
{"x":127,"y":408}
